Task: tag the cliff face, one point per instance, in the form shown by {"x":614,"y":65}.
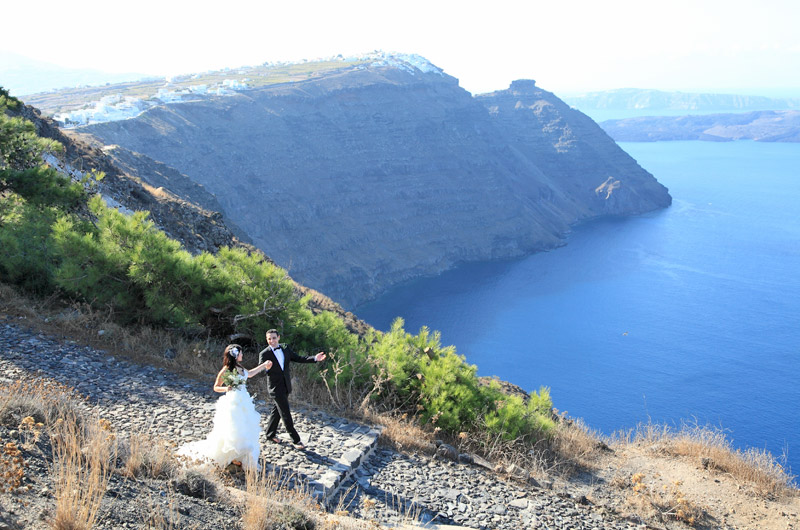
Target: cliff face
{"x":368,"y":177}
{"x":592,"y":175}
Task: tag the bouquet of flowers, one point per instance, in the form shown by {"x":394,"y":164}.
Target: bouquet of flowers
{"x":233,"y":379}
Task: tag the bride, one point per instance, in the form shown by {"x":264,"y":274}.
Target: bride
{"x":237,"y":425}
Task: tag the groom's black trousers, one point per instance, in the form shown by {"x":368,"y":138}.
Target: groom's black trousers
{"x":280,"y":410}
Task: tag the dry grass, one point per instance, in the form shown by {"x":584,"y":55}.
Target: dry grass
{"x":144,"y":455}
{"x":575,"y":446}
{"x":570,"y":448}
{"x":342,"y":521}
{"x":342,"y":395}
{"x":140,"y":344}
{"x":83,"y":459}
{"x":268,"y":506}
{"x":401,"y":433}
{"x":755,"y":468}
{"x":30,"y":405}
{"x":669,"y":503}
{"x":13,"y":303}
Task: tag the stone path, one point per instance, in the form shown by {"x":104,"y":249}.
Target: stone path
{"x":342,"y":466}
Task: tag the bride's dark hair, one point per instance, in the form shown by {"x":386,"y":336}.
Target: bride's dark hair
{"x":228,"y":359}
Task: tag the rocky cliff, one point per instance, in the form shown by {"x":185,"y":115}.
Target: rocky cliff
{"x":589,"y":175}
{"x":372,"y":175}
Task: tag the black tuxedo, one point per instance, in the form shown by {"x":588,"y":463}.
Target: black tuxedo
{"x":279,"y":386}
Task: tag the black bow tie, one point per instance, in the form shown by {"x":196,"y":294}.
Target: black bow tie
{"x":276,"y":349}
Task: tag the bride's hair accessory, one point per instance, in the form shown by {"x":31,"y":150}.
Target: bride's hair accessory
{"x":234,"y":352}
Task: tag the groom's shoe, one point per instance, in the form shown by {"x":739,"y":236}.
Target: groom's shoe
{"x":299,"y":445}
{"x":274,"y":440}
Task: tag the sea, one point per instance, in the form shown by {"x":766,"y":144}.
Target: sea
{"x":686,"y":316}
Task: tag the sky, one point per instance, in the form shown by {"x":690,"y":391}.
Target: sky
{"x":567,"y":46}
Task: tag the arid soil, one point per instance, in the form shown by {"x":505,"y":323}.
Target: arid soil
{"x":721,"y":500}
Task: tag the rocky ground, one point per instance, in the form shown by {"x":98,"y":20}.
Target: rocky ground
{"x":344,"y":467}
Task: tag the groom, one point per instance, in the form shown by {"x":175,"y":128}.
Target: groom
{"x":279,"y":385}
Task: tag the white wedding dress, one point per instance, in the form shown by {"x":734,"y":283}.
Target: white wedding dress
{"x":234,"y":436}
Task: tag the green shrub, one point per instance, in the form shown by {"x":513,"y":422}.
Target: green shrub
{"x":43,"y":186}
{"x":126,"y":263}
{"x":444,"y":389}
{"x":7,"y":101}
{"x":429,"y":378}
{"x":27,"y":258}
{"x":511,"y":417}
{"x":250,"y":293}
{"x":32,"y":198}
{"x":20,"y":147}
{"x":450,"y":394}
{"x":347,"y":353}
{"x":396,"y":355}
{"x":93,"y":266}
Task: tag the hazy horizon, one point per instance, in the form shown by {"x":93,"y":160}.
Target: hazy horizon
{"x":571,"y":47}
{"x":100,"y":77}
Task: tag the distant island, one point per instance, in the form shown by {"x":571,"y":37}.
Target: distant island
{"x":761,"y":126}
{"x":659,"y":100}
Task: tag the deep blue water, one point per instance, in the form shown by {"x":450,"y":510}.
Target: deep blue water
{"x":691,"y":313}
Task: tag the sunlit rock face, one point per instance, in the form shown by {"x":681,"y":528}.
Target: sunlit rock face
{"x":368,"y":177}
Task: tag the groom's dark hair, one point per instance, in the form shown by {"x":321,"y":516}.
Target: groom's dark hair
{"x":275,"y":331}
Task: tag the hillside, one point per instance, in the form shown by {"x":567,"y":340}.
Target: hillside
{"x":760,"y":126}
{"x":360,"y":176}
{"x":134,"y":182}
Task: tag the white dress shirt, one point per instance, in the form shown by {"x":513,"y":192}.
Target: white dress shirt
{"x":279,"y":355}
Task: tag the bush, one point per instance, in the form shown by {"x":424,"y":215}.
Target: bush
{"x":515,"y":419}
{"x":20,"y":147}
{"x":28,"y":259}
{"x":439,"y":384}
{"x":126,"y":263}
{"x":250,"y":293}
{"x":327,"y":332}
